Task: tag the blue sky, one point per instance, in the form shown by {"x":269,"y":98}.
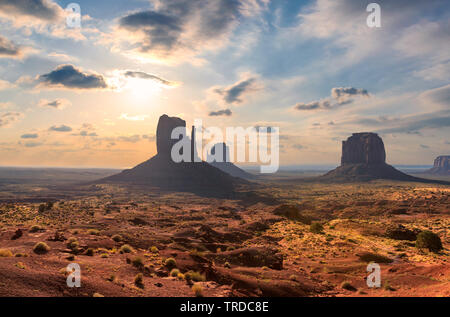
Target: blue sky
{"x":313,"y":68}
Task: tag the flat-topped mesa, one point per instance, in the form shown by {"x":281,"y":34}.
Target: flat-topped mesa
{"x":164,"y":142}
{"x":363,"y":148}
{"x":441,"y":165}
{"x":442,"y":162}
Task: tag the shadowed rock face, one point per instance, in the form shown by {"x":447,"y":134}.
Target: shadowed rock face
{"x":363,"y":148}
{"x":162,"y":172}
{"x":225,"y":164}
{"x":364,"y":159}
{"x":441,"y":165}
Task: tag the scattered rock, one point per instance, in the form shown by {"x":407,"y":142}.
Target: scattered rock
{"x":17,"y":234}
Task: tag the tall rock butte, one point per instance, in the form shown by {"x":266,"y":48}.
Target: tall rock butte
{"x":441,"y":165}
{"x":224,"y":163}
{"x":364,"y":159}
{"x":363,"y":148}
{"x":162,"y":172}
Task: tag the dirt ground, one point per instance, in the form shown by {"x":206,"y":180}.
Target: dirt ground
{"x":186,"y":245}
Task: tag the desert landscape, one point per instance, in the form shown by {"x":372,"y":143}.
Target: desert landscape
{"x":273,"y":236}
{"x":224,"y":155}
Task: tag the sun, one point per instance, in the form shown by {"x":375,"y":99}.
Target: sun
{"x":141,"y":89}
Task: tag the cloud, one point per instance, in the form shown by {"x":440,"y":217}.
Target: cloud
{"x":33,"y":144}
{"x":125,"y":116}
{"x":29,"y":136}
{"x":143,"y":75}
{"x":225,"y":112}
{"x":56,"y":104}
{"x":43,"y":10}
{"x":234,"y":93}
{"x":409,"y":29}
{"x":129,"y":139}
{"x":439,"y":97}
{"x":8,"y":118}
{"x":343,"y":94}
{"x":340,"y":96}
{"x":69,"y":77}
{"x":4,"y":85}
{"x":61,"y":128}
{"x":321,"y":104}
{"x":8,"y":49}
{"x":178,"y":30}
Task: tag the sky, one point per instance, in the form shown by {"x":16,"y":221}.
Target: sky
{"x":91,"y":96}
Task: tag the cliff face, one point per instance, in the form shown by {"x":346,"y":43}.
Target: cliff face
{"x":441,"y":165}
{"x":363,"y":148}
{"x":364,"y":159}
{"x":164,"y":141}
{"x":162,"y":172}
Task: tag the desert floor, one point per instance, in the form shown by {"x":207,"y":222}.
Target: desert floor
{"x":257,"y":244}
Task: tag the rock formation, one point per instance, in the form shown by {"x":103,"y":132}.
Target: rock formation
{"x":162,"y":172}
{"x":224,"y":163}
{"x":364,"y":159}
{"x":363,"y":148}
{"x":441,"y":165}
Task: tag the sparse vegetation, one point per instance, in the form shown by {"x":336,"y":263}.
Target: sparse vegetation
{"x":170,"y":263}
{"x":41,"y":248}
{"x":137,"y":262}
{"x":316,"y":227}
{"x":126,"y":249}
{"x":139,"y":280}
{"x":117,"y":238}
{"x":348,"y":286}
{"x":174,"y":272}
{"x":198,"y":290}
{"x":373,"y":257}
{"x":429,"y":240}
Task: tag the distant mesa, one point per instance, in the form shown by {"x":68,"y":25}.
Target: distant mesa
{"x":441,"y":166}
{"x":224,"y":163}
{"x":364,"y":159}
{"x":162,"y":172}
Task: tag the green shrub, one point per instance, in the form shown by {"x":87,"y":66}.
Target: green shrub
{"x":117,"y":238}
{"x":154,"y":249}
{"x":170,"y":263}
{"x":429,"y":240}
{"x":137,"y":262}
{"x":139,"y":280}
{"x":41,"y":248}
{"x":195,"y":276}
{"x":373,"y":257}
{"x":93,"y":232}
{"x":198,"y":290}
{"x":174,"y":272}
{"x":126,"y":249}
{"x":35,"y":228}
{"x":316,"y":227}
